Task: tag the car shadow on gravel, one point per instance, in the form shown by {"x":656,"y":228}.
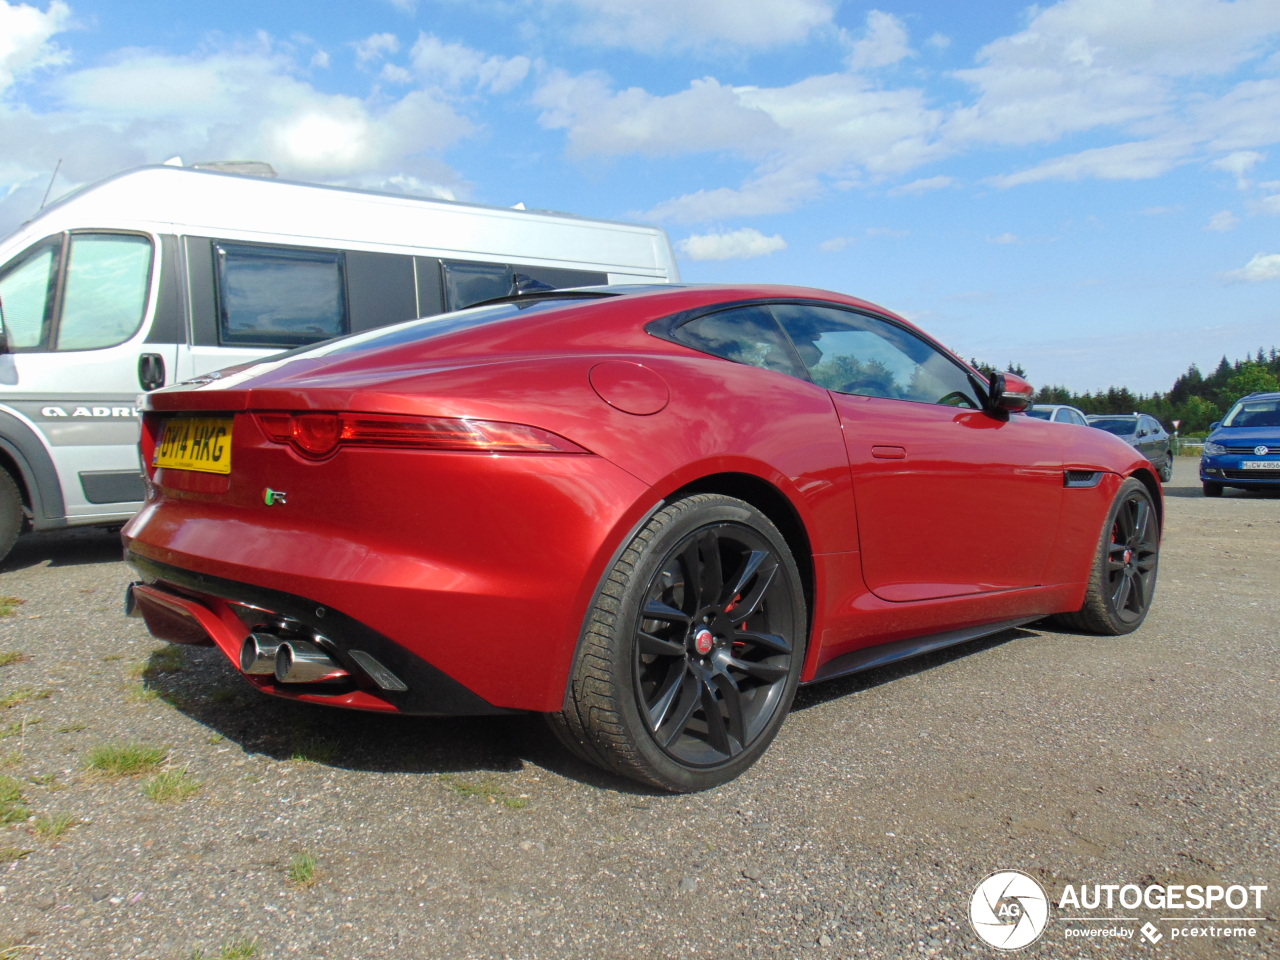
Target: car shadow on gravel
{"x":198,"y":682}
{"x":828,"y":690}
{"x":64,"y":548}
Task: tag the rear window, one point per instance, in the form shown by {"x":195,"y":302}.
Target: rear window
{"x":426,"y":328}
{"x":1121,"y":428}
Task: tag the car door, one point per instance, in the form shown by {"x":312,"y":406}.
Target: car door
{"x":949,"y":499}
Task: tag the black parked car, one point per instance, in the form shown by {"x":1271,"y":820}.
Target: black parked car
{"x":1143,"y":432}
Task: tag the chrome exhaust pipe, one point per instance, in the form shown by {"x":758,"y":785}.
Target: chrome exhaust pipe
{"x":258,"y":654}
{"x":297,"y":661}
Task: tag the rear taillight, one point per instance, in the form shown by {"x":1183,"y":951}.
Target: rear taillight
{"x":318,"y":435}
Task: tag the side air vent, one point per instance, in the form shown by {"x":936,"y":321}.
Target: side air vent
{"x":1081,"y":478}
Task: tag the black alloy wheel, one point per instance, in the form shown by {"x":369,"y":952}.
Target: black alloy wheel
{"x":692,"y":656}
{"x":1124,"y":576}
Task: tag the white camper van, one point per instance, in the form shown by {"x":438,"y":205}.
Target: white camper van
{"x":164,"y":273}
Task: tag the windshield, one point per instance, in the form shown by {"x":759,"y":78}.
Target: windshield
{"x":1254,"y":413}
{"x":1121,"y":427}
{"x":1039,"y":414}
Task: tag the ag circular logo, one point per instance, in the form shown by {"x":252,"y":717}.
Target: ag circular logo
{"x":1009,"y":910}
{"x":1261,"y":450}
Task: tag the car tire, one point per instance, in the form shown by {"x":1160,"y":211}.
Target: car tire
{"x":1166,"y":471}
{"x":692,"y":649}
{"x":11,"y":516}
{"x":1123,"y":581}
{"x":1212,"y":489}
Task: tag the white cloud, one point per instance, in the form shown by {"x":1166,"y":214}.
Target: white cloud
{"x":741,"y":244}
{"x":939,"y":41}
{"x":242,"y":100}
{"x":320,"y":60}
{"x":836,"y":244}
{"x":1222,"y":221}
{"x":1269,"y":206}
{"x":1262,"y":267}
{"x":657,"y":25}
{"x":454,"y":65}
{"x":25,"y":34}
{"x":1141,"y":160}
{"x":376,"y":47}
{"x":883,"y":44}
{"x":1238,"y":164}
{"x":822,"y":131}
{"x":405,"y":6}
{"x":1084,"y":64}
{"x":705,"y":117}
{"x":1004,"y":239}
{"x":917,"y":187}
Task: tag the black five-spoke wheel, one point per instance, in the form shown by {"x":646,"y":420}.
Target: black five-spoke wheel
{"x":1124,"y":576}
{"x":691,"y":659}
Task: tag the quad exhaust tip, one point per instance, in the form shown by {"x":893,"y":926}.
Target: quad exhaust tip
{"x":298,"y":661}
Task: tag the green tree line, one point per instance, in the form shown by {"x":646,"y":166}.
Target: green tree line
{"x":1194,"y":399}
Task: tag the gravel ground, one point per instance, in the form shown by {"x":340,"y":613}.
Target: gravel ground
{"x":863,"y":832}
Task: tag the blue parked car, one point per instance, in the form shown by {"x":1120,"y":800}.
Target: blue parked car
{"x":1243,"y":450}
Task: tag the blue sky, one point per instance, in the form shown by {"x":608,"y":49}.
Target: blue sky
{"x":1090,"y":188}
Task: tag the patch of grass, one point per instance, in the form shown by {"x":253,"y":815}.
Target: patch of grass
{"x":138,"y":693}
{"x":12,"y":854}
{"x":245,"y":949}
{"x":302,"y":869}
{"x":114,"y":656}
{"x":10,"y":758}
{"x":23,"y":695}
{"x":10,"y":657}
{"x":315,"y":750}
{"x":124,"y":759}
{"x":45,"y":780}
{"x":72,"y":728}
{"x":9,"y":604}
{"x":12,"y":951}
{"x":224,"y":695}
{"x":11,"y":801}
{"x":488,"y":789}
{"x":52,"y":827}
{"x":171,"y":786}
{"x":17,"y":729}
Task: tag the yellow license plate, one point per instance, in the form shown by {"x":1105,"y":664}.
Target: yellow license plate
{"x":197,"y":444}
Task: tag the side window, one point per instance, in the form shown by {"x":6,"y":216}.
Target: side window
{"x":279,"y":295}
{"x":107,"y":287}
{"x":26,"y":291}
{"x":854,"y":353}
{"x":746,"y":334}
{"x":466,"y":284}
{"x":1078,"y":420}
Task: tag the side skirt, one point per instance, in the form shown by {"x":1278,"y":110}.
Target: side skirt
{"x":877,"y":656}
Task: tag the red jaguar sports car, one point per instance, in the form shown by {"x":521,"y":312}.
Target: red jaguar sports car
{"x":646,"y":512}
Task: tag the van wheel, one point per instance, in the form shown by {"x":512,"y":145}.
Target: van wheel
{"x":10,"y":513}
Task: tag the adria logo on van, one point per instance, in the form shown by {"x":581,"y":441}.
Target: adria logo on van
{"x":55,"y":412}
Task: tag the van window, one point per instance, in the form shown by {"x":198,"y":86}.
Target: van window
{"x":279,"y":295}
{"x":105,"y":299}
{"x":468,"y":283}
{"x":26,"y":290}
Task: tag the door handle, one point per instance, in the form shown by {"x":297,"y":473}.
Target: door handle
{"x":151,"y":371}
{"x":888,"y":453}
